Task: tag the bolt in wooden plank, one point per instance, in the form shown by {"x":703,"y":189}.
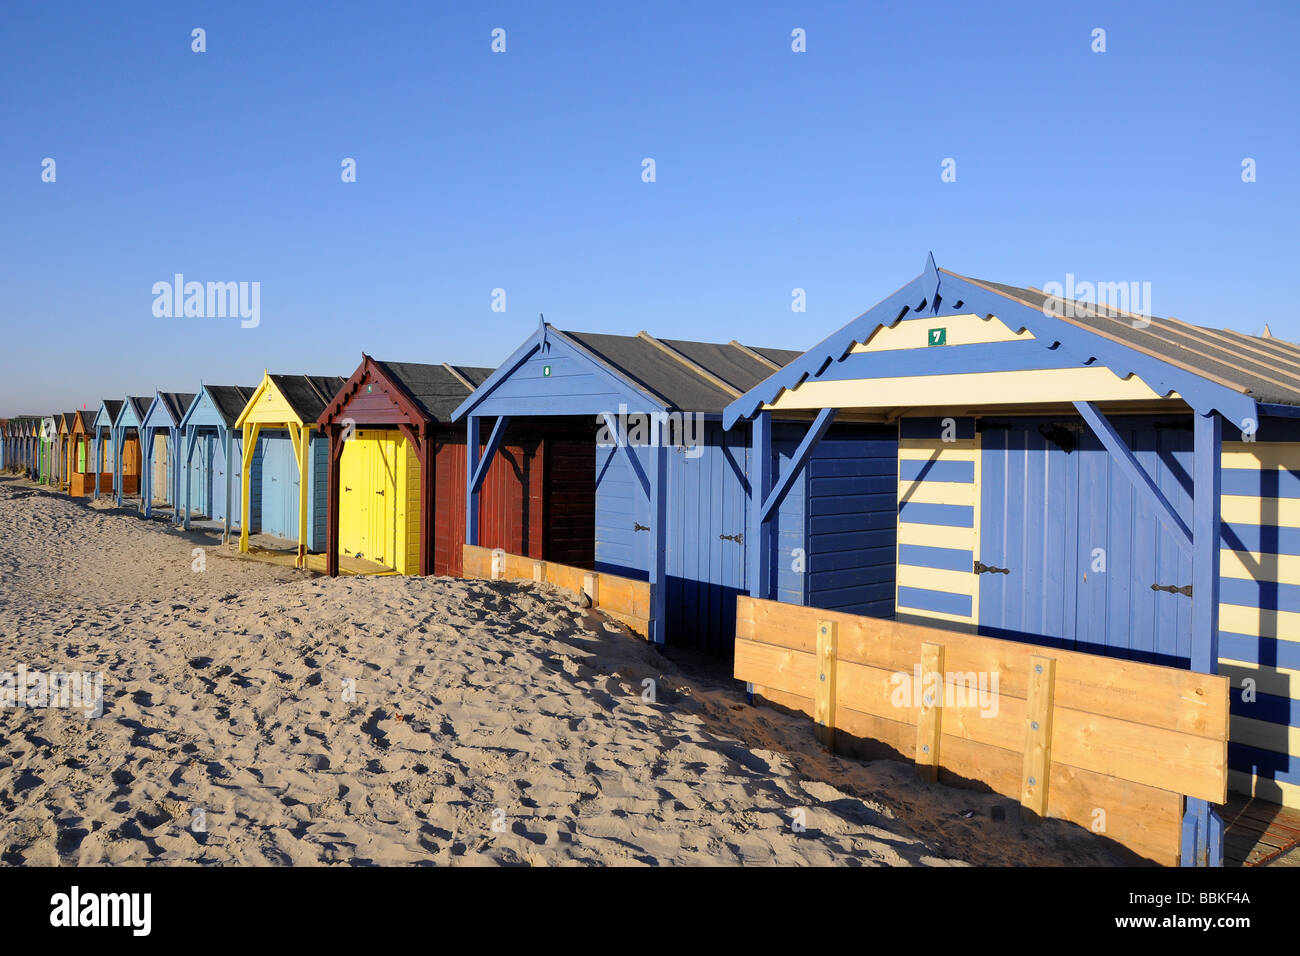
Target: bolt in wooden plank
{"x":929,"y":724}
{"x":1038,"y":738}
{"x":824,"y":701}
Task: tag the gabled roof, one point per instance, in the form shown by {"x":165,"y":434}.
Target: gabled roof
{"x":227,"y":400}
{"x":87,"y":418}
{"x":176,"y":403}
{"x":1183,"y":363}
{"x":672,"y":374}
{"x":113,"y":408}
{"x":138,"y":405}
{"x":435,"y":389}
{"x":307,"y":395}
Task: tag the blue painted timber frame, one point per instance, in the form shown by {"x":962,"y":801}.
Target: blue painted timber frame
{"x":156,"y":419}
{"x":937,"y":293}
{"x":195,"y":423}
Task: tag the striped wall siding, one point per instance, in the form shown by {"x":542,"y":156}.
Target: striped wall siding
{"x":938,"y":521}
{"x":1259,"y":615}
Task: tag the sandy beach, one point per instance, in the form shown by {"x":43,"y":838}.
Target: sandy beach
{"x":254,"y":714}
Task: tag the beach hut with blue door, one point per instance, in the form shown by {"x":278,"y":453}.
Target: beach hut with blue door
{"x":126,"y":456}
{"x":210,"y":456}
{"x":283,"y":472}
{"x":159,"y":441}
{"x":102,"y":453}
{"x":647,"y":484}
{"x":1080,"y":476}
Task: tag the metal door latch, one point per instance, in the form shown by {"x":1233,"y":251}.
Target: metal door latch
{"x":738,"y":537}
{"x":980,"y":568}
{"x":636,"y":526}
{"x":1186,"y":589}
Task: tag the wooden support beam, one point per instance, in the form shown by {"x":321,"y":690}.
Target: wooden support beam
{"x":472,"y":427}
{"x":455,"y":373}
{"x":783,"y":485}
{"x":824,"y":702}
{"x":428,"y":498}
{"x":612,"y":426}
{"x":756,"y":356}
{"x":691,"y":364}
{"x":539,"y":572}
{"x":227,"y":435}
{"x":493,"y":443}
{"x":332,"y":502}
{"x":929,"y":723}
{"x":1038,"y":738}
{"x":1133,"y":470}
{"x":590,"y":584}
{"x":1202,"y":828}
{"x":758,"y":557}
{"x":658,"y":539}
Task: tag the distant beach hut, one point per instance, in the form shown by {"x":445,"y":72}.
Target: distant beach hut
{"x":127,"y":458}
{"x":282,"y":475}
{"x":159,"y":441}
{"x":82,"y":452}
{"x":210,"y":455}
{"x":102,"y":445}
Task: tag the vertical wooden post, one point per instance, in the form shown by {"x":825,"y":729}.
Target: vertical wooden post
{"x":591,"y":585}
{"x":658,"y":536}
{"x":249,"y":442}
{"x":1038,"y":738}
{"x":824,"y":703}
{"x":471,"y":465}
{"x":428,"y":497}
{"x":498,"y":566}
{"x":929,"y":723}
{"x":758,"y":538}
{"x":1202,"y":832}
{"x":304,"y":490}
{"x":146,"y":472}
{"x":334,"y":454}
{"x":539,"y":571}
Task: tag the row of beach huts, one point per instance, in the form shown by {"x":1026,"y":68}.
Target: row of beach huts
{"x":972,"y":456}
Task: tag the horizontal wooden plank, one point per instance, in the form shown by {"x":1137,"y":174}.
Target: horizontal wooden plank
{"x":1155,"y":696}
{"x":1145,"y":819}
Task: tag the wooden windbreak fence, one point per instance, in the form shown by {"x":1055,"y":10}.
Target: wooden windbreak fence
{"x":1112,"y":745}
{"x":624,"y":599}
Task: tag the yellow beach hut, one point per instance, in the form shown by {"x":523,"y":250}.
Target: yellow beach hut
{"x":283,"y":479}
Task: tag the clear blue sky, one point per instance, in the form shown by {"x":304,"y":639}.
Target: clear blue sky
{"x":522,"y":171}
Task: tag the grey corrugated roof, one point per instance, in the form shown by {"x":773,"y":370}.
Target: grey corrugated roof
{"x":230,"y":400}
{"x":435,"y":389}
{"x":87,"y":417}
{"x":1268,"y":368}
{"x":308,"y":395}
{"x":675,"y":382}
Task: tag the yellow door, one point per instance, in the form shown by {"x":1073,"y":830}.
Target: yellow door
{"x":354,"y":480}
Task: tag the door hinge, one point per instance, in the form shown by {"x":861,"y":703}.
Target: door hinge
{"x":637,"y":526}
{"x":738,"y":537}
{"x":1186,"y":589}
{"x":981,"y":568}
